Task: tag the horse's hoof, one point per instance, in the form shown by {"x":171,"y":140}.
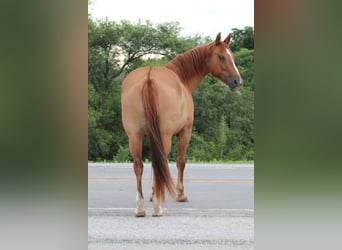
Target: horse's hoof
{"x":182,"y":198}
{"x":140,"y":213}
{"x":158,"y":213}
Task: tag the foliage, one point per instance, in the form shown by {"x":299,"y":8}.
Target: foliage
{"x":244,"y":59}
{"x":223,"y":127}
{"x":242,"y":38}
{"x":123,"y":155}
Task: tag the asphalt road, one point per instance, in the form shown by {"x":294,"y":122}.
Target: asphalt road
{"x":218,"y":215}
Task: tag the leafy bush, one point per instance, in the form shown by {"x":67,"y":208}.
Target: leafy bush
{"x":123,"y":155}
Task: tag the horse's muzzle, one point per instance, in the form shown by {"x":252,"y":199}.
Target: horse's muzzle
{"x":234,"y":82}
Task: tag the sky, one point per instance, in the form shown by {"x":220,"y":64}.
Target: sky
{"x":206,"y":18}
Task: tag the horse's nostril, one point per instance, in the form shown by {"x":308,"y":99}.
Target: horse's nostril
{"x":238,"y":81}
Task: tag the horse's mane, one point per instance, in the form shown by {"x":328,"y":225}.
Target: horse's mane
{"x":190,"y":63}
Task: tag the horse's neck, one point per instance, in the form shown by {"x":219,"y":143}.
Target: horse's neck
{"x":190,"y":67}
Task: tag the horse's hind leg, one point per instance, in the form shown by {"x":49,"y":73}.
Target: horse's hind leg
{"x":157,"y":209}
{"x":183,"y":142}
{"x":135,"y":146}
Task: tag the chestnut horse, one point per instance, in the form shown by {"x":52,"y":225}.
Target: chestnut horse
{"x":157,"y":102}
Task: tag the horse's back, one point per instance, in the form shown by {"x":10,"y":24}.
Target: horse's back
{"x":175,"y":106}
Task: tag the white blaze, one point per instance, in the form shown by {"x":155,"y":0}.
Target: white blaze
{"x":230,"y":54}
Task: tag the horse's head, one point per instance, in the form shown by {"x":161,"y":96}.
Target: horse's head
{"x":221,"y":63}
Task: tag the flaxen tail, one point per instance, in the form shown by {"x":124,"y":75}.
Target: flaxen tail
{"x":163,"y":179}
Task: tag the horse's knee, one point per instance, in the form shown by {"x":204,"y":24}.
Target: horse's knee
{"x":138,"y":166}
{"x":180,"y":164}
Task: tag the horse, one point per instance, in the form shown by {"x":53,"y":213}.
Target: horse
{"x":157,"y":102}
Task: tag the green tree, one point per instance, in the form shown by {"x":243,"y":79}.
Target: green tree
{"x":242,"y":38}
{"x":244,"y":59}
{"x":123,"y":155}
{"x":116,"y":48}
{"x":223,"y":127}
{"x":223,"y":138}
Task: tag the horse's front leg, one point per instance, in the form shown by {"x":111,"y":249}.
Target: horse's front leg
{"x":183,"y":142}
{"x":182,"y":197}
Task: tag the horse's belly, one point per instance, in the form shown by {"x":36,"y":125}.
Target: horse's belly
{"x":175,"y":112}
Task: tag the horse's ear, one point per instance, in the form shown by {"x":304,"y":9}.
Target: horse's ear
{"x":218,"y":38}
{"x":227,"y":40}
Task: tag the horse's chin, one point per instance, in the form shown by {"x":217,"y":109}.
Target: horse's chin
{"x":233,"y":88}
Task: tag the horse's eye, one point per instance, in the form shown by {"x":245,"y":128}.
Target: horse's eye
{"x":221,"y":58}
